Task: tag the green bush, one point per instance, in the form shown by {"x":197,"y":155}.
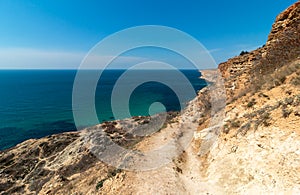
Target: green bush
{"x":243,"y":53}
{"x":100,"y":184}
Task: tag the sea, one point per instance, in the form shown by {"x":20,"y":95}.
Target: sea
{"x":37,"y":103}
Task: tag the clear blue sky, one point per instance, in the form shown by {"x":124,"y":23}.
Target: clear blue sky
{"x":58,"y":33}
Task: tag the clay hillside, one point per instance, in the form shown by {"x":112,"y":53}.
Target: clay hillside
{"x":256,"y":150}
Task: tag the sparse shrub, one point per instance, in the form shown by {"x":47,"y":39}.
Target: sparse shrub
{"x":250,"y":115}
{"x":261,"y":111}
{"x":243,"y":53}
{"x":295,"y":81}
{"x":226,"y":129}
{"x":296,"y":100}
{"x":251,"y":103}
{"x":256,"y":124}
{"x":281,"y":103}
{"x":244,"y":129}
{"x":289,"y":92}
{"x":113,"y":172}
{"x":282,"y":78}
{"x":235,"y":124}
{"x":277,"y":82}
{"x":289,"y":100}
{"x":275,"y":77}
{"x":100,"y":184}
{"x":266,"y":119}
{"x":286,"y":112}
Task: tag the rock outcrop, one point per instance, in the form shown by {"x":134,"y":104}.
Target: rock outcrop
{"x":283,"y":46}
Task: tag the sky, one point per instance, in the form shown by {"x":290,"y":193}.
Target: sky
{"x":57,"y":34}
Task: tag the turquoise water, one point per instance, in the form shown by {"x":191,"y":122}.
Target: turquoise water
{"x":36,"y":103}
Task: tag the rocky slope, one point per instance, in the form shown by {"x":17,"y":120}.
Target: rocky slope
{"x":256,"y":149}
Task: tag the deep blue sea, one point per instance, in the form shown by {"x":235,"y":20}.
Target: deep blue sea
{"x":37,"y":103}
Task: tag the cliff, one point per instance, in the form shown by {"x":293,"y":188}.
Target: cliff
{"x":245,"y":72}
{"x":256,"y":150}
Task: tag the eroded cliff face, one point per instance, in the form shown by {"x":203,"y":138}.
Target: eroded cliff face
{"x":245,"y":72}
{"x":256,"y":150}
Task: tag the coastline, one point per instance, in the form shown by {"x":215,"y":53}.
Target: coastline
{"x":255,"y":149}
